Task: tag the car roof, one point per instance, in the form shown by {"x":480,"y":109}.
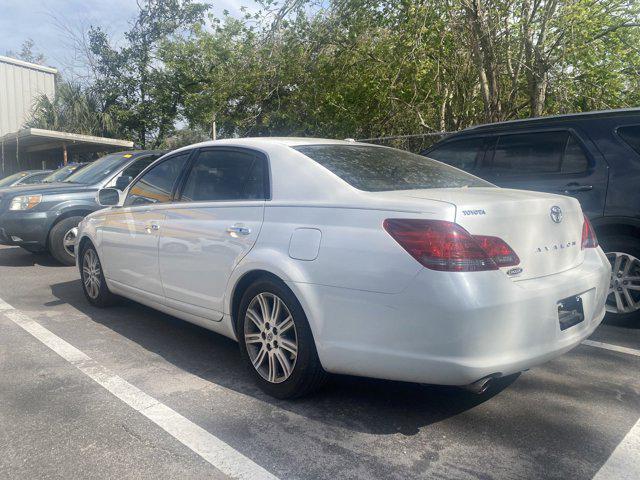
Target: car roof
{"x":620,"y":112}
{"x":262,"y":142}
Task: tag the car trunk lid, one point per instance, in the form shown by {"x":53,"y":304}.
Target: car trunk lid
{"x":544,"y":230}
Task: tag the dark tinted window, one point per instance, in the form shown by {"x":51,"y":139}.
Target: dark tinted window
{"x":226,"y":175}
{"x":529,"y":153}
{"x":631,"y":135}
{"x":378,"y":169}
{"x":574,"y":160}
{"x":157,"y":184}
{"x":543,"y":152}
{"x":459,"y":153}
{"x":35,"y":178}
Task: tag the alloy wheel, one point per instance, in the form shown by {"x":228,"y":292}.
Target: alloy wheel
{"x":69,"y":241}
{"x":271,"y":338}
{"x":624,"y":288}
{"x":91,"y":273}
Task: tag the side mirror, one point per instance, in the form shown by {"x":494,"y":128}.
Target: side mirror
{"x":123,"y":182}
{"x":108,"y":197}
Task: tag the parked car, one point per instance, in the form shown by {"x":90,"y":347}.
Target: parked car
{"x":330,"y":256}
{"x":45,"y":217}
{"x":63,"y":173}
{"x":594,"y":157}
{"x":25,"y":177}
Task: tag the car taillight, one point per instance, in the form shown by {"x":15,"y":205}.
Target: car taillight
{"x":446,"y":246}
{"x":589,"y":239}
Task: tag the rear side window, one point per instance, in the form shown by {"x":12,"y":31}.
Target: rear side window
{"x":156,"y":186}
{"x":226,"y":175}
{"x":631,"y":136}
{"x":462,"y":154}
{"x":542,"y":152}
{"x":376,"y":169}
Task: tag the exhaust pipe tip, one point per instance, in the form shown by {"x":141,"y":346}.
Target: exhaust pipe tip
{"x":481,"y":386}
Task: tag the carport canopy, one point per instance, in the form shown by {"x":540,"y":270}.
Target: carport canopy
{"x":23,"y":148}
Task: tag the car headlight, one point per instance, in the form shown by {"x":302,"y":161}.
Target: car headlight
{"x":25,"y":202}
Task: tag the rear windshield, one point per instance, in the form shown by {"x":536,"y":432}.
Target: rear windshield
{"x":377,"y":169}
{"x":98,"y":170}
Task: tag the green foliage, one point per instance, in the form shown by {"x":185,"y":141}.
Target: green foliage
{"x":28,"y":53}
{"x":74,"y":109}
{"x":365,"y":68}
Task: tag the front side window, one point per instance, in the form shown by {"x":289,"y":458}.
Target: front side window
{"x":225,"y":175}
{"x":375,"y":169}
{"x":462,"y":154}
{"x":631,"y":136}
{"x":156,"y":185}
{"x":540,"y":152}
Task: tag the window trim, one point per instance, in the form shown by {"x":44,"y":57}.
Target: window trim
{"x":491,"y":150}
{"x":154,"y":164}
{"x":261,"y":156}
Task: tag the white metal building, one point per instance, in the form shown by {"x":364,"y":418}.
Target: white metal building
{"x":21,"y":83}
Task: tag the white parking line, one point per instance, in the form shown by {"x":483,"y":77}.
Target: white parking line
{"x":623,"y":463}
{"x":614,"y":348}
{"x":209,"y":447}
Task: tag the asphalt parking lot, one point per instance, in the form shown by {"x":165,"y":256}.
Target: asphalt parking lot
{"x":73,"y":414}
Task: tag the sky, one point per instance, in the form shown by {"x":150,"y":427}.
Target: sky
{"x":45,"y":21}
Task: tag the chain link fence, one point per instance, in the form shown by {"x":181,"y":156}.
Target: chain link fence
{"x":413,"y":143}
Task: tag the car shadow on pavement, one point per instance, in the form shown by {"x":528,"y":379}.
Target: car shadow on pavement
{"x":17,"y":257}
{"x":359,"y":404}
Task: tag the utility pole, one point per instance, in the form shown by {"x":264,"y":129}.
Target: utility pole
{"x":214,"y":133}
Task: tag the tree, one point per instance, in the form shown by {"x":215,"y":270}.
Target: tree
{"x":27,"y":53}
{"x":73,"y":109}
{"x":139,"y":93}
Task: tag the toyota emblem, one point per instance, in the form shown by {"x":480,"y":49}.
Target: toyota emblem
{"x":556,"y":214}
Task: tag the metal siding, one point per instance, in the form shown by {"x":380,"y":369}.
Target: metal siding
{"x":19,"y":87}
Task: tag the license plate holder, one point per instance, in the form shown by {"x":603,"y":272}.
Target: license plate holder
{"x":570,"y":311}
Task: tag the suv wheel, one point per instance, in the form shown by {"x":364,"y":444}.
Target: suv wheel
{"x":276,"y":341}
{"x":624,"y":290}
{"x":62,"y":240}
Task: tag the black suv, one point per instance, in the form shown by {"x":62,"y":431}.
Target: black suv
{"x":594,"y":157}
{"x":45,"y":217}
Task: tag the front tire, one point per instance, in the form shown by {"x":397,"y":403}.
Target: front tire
{"x":94,"y":284}
{"x":276,"y":341}
{"x":623,"y":302}
{"x":62,"y":240}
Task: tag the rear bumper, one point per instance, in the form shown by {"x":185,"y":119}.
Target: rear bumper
{"x":453,"y":328}
{"x":25,"y":229}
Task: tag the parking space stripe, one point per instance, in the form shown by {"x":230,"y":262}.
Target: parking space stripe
{"x":624,"y":463}
{"x":209,"y":447}
{"x":614,"y":348}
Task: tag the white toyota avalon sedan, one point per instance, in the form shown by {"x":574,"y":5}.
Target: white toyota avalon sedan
{"x":332,"y":256}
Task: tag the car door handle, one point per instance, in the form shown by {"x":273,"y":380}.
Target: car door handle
{"x":236,"y":230}
{"x":576,"y":187}
{"x":152,"y":227}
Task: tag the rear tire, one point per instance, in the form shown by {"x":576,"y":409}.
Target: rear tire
{"x":626,"y":249}
{"x":268,"y":341}
{"x":94,"y":285}
{"x":62,"y":239}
